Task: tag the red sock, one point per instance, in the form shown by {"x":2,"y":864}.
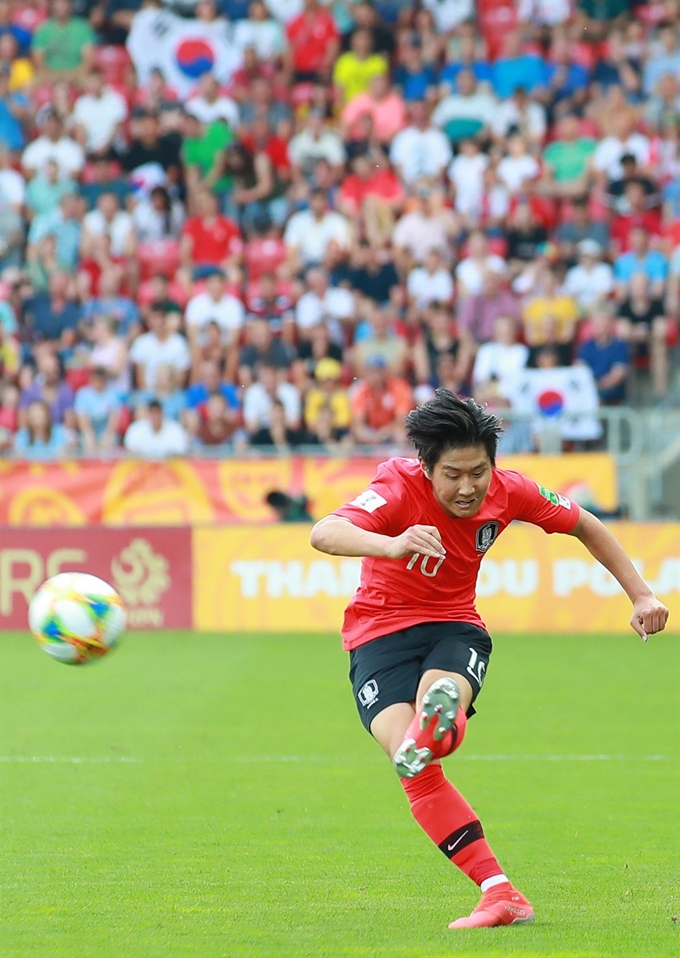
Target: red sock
{"x":446,"y":817}
{"x":425,"y":737}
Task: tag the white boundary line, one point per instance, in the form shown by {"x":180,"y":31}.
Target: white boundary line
{"x":315,"y":759}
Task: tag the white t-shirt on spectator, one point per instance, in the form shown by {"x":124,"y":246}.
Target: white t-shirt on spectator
{"x":228,"y":312}
{"x":12,"y":187}
{"x":143,"y":440}
{"x":425,"y":288}
{"x":266,"y":36}
{"x":470,"y":273}
{"x":149,"y":352}
{"x":119,"y":230}
{"x":99,"y":116}
{"x":467,"y":175}
{"x":419,"y":234}
{"x":305,"y":148}
{"x":337,"y":304}
{"x":508,"y":115}
{"x":258,"y":404}
{"x":284,"y":10}
{"x":311,"y":236}
{"x":499,"y":361}
{"x":224,"y":108}
{"x":420,"y":153}
{"x":480,"y":106}
{"x":607,"y":156}
{"x":588,"y":286}
{"x":514,"y":170}
{"x":449,"y":14}
{"x":67,"y":154}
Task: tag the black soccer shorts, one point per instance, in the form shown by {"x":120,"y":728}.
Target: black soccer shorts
{"x":387,"y":670}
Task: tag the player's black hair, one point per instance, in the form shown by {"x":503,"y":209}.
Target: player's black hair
{"x":448,"y":422}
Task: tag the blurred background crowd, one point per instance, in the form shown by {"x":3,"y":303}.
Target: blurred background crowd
{"x":280,"y":224}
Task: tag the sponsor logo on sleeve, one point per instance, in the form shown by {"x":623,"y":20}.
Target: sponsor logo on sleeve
{"x":369,"y":501}
{"x":564,"y":501}
{"x":486,"y":536}
{"x":549,"y":495}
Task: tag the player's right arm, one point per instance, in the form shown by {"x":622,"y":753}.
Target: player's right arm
{"x":338,"y":536}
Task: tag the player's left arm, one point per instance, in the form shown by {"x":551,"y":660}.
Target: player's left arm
{"x":649,"y":614}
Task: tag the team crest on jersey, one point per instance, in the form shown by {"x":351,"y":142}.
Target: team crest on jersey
{"x":368,"y":693}
{"x":486,"y":536}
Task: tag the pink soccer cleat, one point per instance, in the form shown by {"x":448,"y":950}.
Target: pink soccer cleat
{"x":500,"y":905}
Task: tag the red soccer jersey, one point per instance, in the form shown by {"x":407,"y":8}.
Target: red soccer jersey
{"x":309,"y":35}
{"x":397,"y":593}
{"x":213,"y":241}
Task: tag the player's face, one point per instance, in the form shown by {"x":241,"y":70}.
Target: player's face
{"x":460,"y":480}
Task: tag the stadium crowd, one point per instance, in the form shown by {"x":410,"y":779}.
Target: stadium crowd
{"x":352,"y":205}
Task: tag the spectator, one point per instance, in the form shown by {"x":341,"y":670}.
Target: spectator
{"x":373,"y":273}
{"x":65,"y":225}
{"x":580,"y":227}
{"x":466,"y":173}
{"x":45,"y":190}
{"x":378,"y":339}
{"x":631,"y":173}
{"x":262,"y":348}
{"x":520,"y":114}
{"x":110,"y":353}
{"x":609,"y":152}
{"x":316,"y":141}
{"x":55,"y":145}
{"x":258,"y":193}
{"x":11,"y":236}
{"x":110,"y":221}
{"x":641,"y":259}
{"x":214,"y":304}
{"x":97,"y":408}
{"x":218,"y":424}
{"x":53,"y":315}
{"x":268,"y":301}
{"x":526,"y":237}
{"x":518,"y":166}
{"x":591,"y":281}
{"x":150,"y":147}
{"x":158,"y":347}
{"x":209,"y":239}
{"x":437,"y":338}
{"x":466,"y":113}
{"x":167,"y":390}
{"x":12,"y":183}
{"x":373,"y":192}
{"x":516,"y":69}
{"x":321,"y":303}
{"x":479,"y":261}
{"x":383,"y":105}
{"x":637,"y":215}
{"x":566,"y":160}
{"x":430,"y":283}
{"x":498,"y":361}
{"x":49,"y":387}
{"x":155,"y":437}
{"x":328,"y":393}
{"x":429,"y":226}
{"x":664,"y":106}
{"x":379,"y":404}
{"x":15,"y":112}
{"x":210,"y":104}
{"x":261,"y":104}
{"x":477,"y":314}
{"x":277,"y":432}
{"x":158,"y":217}
{"x":608,"y":358}
{"x":41,"y":438}
{"x":260,"y":397}
{"x":312,"y":44}
{"x":643,"y":324}
{"x":98,"y":115}
{"x":113,"y":304}
{"x":665,"y":60}
{"x":550,"y":318}
{"x":354,"y":70}
{"x":414,"y":76}
{"x":420,"y":150}
{"x":309,"y":232}
{"x":204,"y":154}
{"x":63,"y":45}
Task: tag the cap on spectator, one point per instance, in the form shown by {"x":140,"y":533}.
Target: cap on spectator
{"x":588,"y":247}
{"x":328,"y":369}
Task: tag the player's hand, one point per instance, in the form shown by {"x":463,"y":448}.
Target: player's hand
{"x":425,"y":540}
{"x":649,"y":616}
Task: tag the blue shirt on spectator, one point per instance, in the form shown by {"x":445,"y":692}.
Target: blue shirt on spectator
{"x":11,"y":130}
{"x":65,"y":232}
{"x":527,"y":71}
{"x":122,"y":309}
{"x":173,"y":405}
{"x":415,"y":85}
{"x":653,"y":265}
{"x":198,"y":394}
{"x":449,"y":72}
{"x":602,"y":358}
{"x":20,"y":34}
{"x":97,"y":405}
{"x":576,"y":79}
{"x":48,"y":323}
{"x":40,"y":449}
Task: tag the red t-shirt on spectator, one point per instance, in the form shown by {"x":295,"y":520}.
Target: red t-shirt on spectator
{"x":383,"y":407}
{"x":275,"y":148}
{"x":650,"y":221}
{"x":383,"y":184}
{"x":309,"y":35}
{"x":213,"y":242}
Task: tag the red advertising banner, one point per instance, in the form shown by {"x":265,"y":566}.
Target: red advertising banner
{"x":150,"y":568}
{"x":195,"y":492}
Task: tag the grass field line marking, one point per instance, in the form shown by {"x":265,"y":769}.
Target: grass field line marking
{"x":323,"y":759}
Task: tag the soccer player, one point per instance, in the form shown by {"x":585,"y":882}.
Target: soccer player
{"x":418,"y":648}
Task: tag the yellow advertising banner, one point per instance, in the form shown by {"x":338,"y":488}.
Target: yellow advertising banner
{"x":270,"y":579}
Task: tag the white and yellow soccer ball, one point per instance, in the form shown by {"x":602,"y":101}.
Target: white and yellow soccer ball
{"x":76,"y":617}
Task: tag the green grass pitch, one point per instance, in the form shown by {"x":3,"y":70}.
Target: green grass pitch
{"x":217,"y":797}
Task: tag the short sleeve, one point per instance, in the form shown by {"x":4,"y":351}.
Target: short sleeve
{"x":528,"y":501}
{"x":382,"y":507}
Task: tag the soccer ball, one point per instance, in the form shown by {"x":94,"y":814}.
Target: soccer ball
{"x":76,"y":617}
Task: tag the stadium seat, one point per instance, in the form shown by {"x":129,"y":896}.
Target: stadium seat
{"x":78,"y":377}
{"x":158,"y":256}
{"x":264,"y":255}
{"x":113,"y":61}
